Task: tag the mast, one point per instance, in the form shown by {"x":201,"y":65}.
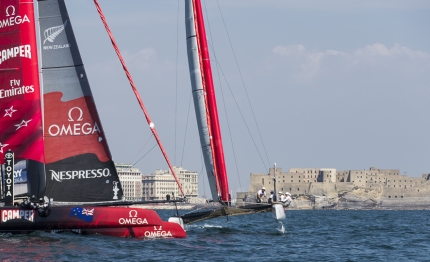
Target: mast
{"x":206,"y":108}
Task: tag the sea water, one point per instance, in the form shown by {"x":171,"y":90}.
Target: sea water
{"x":317,"y":235}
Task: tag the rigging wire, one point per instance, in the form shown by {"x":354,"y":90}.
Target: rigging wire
{"x":141,"y":148}
{"x":222,"y":95}
{"x":243,"y":117}
{"x":133,"y":86}
{"x":145,"y":155}
{"x":243,"y":83}
{"x":186,"y":128}
{"x":201,"y":172}
{"x":176,"y":77}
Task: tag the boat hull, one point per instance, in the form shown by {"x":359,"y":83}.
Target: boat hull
{"x":111,"y":221}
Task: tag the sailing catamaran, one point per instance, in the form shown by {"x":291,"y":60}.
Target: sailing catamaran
{"x":63,"y":155}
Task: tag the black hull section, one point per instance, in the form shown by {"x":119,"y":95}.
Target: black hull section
{"x":204,"y":214}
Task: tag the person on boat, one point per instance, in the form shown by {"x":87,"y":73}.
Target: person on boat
{"x":26,"y":203}
{"x":281,"y":196}
{"x":287,"y":199}
{"x":272,"y":197}
{"x":261,"y":195}
{"x":42,"y":208}
{"x":32,"y":202}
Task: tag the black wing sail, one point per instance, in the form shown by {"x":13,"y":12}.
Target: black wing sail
{"x":79,"y":166}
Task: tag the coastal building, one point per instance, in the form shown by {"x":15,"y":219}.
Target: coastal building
{"x":158,"y":185}
{"x":131,"y":181}
{"x":303,"y":181}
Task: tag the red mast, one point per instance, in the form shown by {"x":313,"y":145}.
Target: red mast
{"x":208,"y":86}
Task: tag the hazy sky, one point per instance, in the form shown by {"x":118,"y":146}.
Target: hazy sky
{"x":336,"y":84}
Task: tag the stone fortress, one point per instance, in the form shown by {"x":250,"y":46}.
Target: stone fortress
{"x":320,"y":188}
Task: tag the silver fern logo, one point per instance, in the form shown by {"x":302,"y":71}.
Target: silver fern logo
{"x":52,"y":32}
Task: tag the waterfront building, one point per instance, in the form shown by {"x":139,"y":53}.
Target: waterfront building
{"x":131,"y":181}
{"x":158,"y":185}
{"x":302,"y":181}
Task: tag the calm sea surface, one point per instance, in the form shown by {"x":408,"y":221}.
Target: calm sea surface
{"x":309,"y":236}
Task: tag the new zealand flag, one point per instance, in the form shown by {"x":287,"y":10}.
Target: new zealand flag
{"x":83,"y":213}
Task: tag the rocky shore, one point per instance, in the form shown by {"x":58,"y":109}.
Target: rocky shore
{"x":353,"y":198}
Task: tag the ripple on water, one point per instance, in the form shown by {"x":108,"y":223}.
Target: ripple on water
{"x":328,"y":235}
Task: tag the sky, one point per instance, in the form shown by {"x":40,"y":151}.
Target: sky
{"x":319,"y":84}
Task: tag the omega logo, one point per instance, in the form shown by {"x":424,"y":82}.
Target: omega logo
{"x":11,"y":7}
{"x":74,"y":129}
{"x":80,"y":114}
{"x":132,"y":212}
{"x":133,"y":219}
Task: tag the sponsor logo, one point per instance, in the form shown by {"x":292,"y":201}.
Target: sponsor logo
{"x":7,"y":215}
{"x":79,"y":174}
{"x":82,"y":213}
{"x":19,"y":176}
{"x":15,"y":90}
{"x":16,"y":51}
{"x":17,"y":173}
{"x":115,"y":189}
{"x":9,"y":111}
{"x":11,"y":19}
{"x":8,"y":180}
{"x":8,"y":155}
{"x":51,"y":34}
{"x":133,"y":219}
{"x":2,"y":146}
{"x":10,"y":10}
{"x":20,"y":172}
{"x":158,"y":232}
{"x":75,"y":129}
{"x":22,"y":124}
